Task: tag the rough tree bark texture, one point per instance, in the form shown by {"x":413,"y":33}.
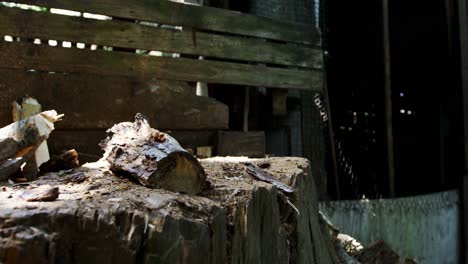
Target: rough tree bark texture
{"x":154,"y":158}
{"x":102,"y":218}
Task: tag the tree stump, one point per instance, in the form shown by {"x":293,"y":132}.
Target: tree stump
{"x":154,"y":158}
{"x":104,"y":219}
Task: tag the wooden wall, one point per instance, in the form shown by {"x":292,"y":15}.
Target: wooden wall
{"x":101,"y":69}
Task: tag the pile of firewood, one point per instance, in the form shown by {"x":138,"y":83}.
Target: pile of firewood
{"x":19,"y":142}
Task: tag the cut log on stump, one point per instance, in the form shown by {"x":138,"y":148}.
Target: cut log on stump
{"x":26,"y":135}
{"x":154,"y":158}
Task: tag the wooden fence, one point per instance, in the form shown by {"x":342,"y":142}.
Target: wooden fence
{"x":96,"y":64}
{"x":232,"y":43}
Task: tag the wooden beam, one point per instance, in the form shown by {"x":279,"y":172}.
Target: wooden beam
{"x":97,"y":102}
{"x":193,"y":139}
{"x":46,"y":26}
{"x":236,"y":143}
{"x":45,"y":58}
{"x":86,"y":143}
{"x":463,"y":27}
{"x":331,"y":135}
{"x":197,"y":17}
{"x":388,"y":99}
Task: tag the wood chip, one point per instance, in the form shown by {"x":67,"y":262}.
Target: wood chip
{"x":41,"y":194}
{"x":259,"y":174}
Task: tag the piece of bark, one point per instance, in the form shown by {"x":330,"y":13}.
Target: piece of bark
{"x":26,"y":135}
{"x":44,"y":193}
{"x":154,"y":158}
{"x":77,"y":177}
{"x":10,"y":167}
{"x":65,"y":161}
{"x":262,"y":175}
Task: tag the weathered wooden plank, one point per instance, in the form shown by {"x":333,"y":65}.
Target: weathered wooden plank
{"x":388,"y":104}
{"x":31,"y":24}
{"x":86,"y":143}
{"x":463,"y":33}
{"x":235,"y":143}
{"x":193,"y":139}
{"x":98,"y":102}
{"x":198,"y":17}
{"x":45,"y":58}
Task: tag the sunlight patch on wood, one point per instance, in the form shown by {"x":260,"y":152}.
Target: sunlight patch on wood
{"x":8,"y":38}
{"x":23,"y":6}
{"x":52,"y":43}
{"x":66,"y":44}
{"x":97,"y":17}
{"x":64,"y":12}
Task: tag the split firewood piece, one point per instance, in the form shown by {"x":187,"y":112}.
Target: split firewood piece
{"x":42,"y":193}
{"x":30,"y":169}
{"x":10,"y":167}
{"x":259,"y":174}
{"x":154,"y":158}
{"x":26,"y":135}
{"x":24,"y":108}
{"x":65,"y":161}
